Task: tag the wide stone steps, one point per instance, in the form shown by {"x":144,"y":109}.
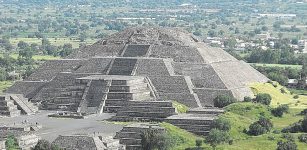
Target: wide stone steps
{"x":11,"y":113}
{"x":134,"y":147}
{"x":136,"y":50}
{"x":124,"y":134}
{"x":7,"y":107}
{"x":132,"y":89}
{"x":111,"y":109}
{"x":192,"y":127}
{"x":122,"y":66}
{"x":130,"y":135}
{"x":128,"y":95}
{"x":63,"y":107}
{"x":65,"y":100}
{"x":148,"y":109}
{"x":130,"y":141}
{"x":213,"y":110}
{"x":23,"y":104}
{"x":134,"y":82}
{"x":144,"y":114}
{"x":141,"y":119}
{"x":188,"y":121}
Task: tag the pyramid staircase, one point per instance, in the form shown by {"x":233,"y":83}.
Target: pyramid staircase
{"x":145,"y":111}
{"x":7,"y":107}
{"x":23,"y":104}
{"x":122,"y":93}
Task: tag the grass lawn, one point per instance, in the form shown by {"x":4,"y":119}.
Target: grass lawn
{"x":4,"y":85}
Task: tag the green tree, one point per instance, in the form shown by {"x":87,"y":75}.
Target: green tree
{"x":22,"y":44}
{"x":152,"y":139}
{"x":263,"y":98}
{"x":280,"y":110}
{"x":223,"y":100}
{"x":287,"y":145}
{"x":221,"y":124}
{"x":263,"y":125}
{"x":230,"y":43}
{"x":216,"y":137}
{"x":3,"y":74}
{"x":11,"y":143}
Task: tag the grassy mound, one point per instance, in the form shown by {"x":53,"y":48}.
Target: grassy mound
{"x":277,"y":96}
{"x":241,"y":115}
{"x":182,"y":139}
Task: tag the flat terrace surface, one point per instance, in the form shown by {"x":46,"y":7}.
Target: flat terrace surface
{"x":192,"y":117}
{"x":52,"y":127}
{"x":110,"y":77}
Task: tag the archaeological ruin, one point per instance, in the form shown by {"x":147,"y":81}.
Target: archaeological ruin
{"x":136,"y":74}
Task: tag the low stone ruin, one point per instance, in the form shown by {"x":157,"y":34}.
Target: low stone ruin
{"x":25,"y":139}
{"x":87,"y":142}
{"x":130,"y":135}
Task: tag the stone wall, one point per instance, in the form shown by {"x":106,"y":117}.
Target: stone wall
{"x":51,"y":68}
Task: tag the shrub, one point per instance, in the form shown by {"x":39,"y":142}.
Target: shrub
{"x":276,"y":131}
{"x":295,"y":96}
{"x":263,"y":98}
{"x":223,"y":100}
{"x":282,"y":90}
{"x":303,"y":138}
{"x":11,"y":143}
{"x":280,"y":110}
{"x":221,"y":124}
{"x":293,"y":128}
{"x":288,"y":137}
{"x":153,"y":139}
{"x":266,"y":123}
{"x":247,"y":99}
{"x":256,"y":129}
{"x":198,"y":143}
{"x":259,"y":127}
{"x":304,"y":124}
{"x":216,"y":137}
{"x":288,"y":145}
{"x":271,"y":138}
{"x":281,"y":79}
{"x":303,"y":112}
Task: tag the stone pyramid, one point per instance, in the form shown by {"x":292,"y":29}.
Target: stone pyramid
{"x":138,"y":64}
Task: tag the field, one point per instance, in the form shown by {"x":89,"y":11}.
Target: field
{"x":54,"y":41}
